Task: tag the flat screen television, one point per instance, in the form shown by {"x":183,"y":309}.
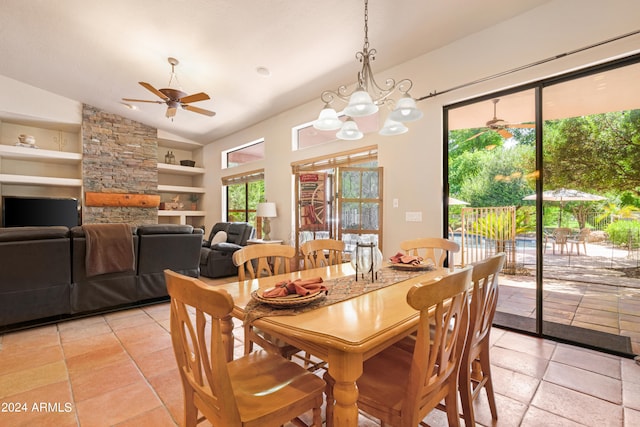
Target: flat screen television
{"x":39,"y":211}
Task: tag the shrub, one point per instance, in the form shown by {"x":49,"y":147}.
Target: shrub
{"x":624,"y":233}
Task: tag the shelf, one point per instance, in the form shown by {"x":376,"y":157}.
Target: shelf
{"x":36,"y":154}
{"x":179,"y":170}
{"x":40,"y":180}
{"x":180,"y":213}
{"x":180,"y":189}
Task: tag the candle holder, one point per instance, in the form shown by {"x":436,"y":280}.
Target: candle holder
{"x":367,"y":263}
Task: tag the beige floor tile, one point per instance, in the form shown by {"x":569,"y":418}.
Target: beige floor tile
{"x":588,"y":359}
{"x":117,"y":405}
{"x":158,"y":362}
{"x":158,"y":417}
{"x":631,"y":418}
{"x":513,"y":384}
{"x":601,"y":386}
{"x":576,"y":406}
{"x":631,"y":395}
{"x":518,"y":362}
{"x":20,"y":381}
{"x":535,"y":417}
{"x":87,"y":384}
{"x":533,"y":346}
{"x":49,"y":405}
{"x":510,"y":411}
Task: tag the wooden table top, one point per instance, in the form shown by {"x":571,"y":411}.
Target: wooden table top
{"x":356,"y":325}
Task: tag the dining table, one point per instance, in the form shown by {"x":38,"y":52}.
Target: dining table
{"x":345,"y":333}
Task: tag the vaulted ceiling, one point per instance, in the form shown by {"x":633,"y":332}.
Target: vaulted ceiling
{"x":96,"y":51}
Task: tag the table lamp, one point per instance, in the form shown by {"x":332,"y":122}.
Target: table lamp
{"x":266,"y":210}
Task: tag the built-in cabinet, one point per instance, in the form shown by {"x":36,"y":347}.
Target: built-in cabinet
{"x":51,"y":168}
{"x":181,"y":187}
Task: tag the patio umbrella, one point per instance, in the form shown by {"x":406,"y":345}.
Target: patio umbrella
{"x":453,"y":201}
{"x":564,"y":195}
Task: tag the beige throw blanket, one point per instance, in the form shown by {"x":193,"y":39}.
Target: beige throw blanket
{"x":109,"y":249}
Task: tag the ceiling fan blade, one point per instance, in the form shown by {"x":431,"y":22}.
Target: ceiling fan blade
{"x":142,"y":100}
{"x":199,"y":110}
{"x":522,"y":126}
{"x":154,"y":90}
{"x":201,"y":96}
{"x":171,"y":111}
{"x":476,"y":135}
{"x":504,"y":133}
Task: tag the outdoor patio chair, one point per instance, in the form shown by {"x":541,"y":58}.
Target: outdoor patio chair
{"x":558,"y":238}
{"x":580,"y":239}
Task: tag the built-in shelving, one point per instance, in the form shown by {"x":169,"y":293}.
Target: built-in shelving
{"x":36,"y":154}
{"x":180,"y":180}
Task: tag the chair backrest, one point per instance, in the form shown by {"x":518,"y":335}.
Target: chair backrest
{"x":269,"y":259}
{"x":583,"y":235}
{"x":322,"y":252}
{"x":561,"y":234}
{"x":432,"y":249}
{"x":484,"y":299}
{"x":443,"y":303}
{"x":198,"y":346}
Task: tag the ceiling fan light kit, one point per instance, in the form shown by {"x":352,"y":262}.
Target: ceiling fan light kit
{"x":367,"y":97}
{"x":173,"y":96}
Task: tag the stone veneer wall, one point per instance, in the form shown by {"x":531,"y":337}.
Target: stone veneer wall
{"x":119,"y":155}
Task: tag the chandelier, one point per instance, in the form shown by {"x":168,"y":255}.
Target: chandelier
{"x":366,"y":99}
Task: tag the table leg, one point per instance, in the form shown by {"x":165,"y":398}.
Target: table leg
{"x":226,"y":325}
{"x":345,"y":369}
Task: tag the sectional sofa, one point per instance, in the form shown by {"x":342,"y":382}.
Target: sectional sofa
{"x":43,"y":272}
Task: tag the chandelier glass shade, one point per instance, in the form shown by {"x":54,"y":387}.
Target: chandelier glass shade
{"x":367,"y":98}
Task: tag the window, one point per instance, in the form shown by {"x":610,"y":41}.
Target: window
{"x":243,"y":193}
{"x":247,"y":153}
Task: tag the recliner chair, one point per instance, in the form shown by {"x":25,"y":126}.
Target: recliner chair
{"x":216,"y":260}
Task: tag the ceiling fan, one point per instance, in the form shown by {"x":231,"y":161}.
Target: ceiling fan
{"x":173,"y":97}
{"x":500,"y":126}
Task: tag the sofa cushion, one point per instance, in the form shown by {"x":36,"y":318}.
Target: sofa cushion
{"x":220,"y":237}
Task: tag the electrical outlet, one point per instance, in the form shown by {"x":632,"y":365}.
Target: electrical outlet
{"x":395,"y":203}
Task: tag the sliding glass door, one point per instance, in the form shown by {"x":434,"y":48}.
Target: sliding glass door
{"x":550,"y":174}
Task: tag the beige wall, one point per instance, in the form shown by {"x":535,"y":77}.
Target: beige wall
{"x":413,"y":161}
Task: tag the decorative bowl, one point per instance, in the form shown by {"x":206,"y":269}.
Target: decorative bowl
{"x":189,"y":163}
{"x":26,"y":139}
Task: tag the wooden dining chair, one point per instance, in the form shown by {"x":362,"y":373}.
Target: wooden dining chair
{"x":432,"y":249}
{"x":401,"y":387}
{"x":475,"y":369}
{"x":262,"y":260}
{"x":322,"y":252}
{"x":260,"y":389}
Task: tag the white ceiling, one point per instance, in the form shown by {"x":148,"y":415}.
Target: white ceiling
{"x":96,"y":51}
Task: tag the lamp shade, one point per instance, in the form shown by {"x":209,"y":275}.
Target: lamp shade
{"x":266,"y":210}
{"x":406,"y":110}
{"x":328,"y":119}
{"x":349,"y":131}
{"x":360,"y":104}
{"x":391,"y":127}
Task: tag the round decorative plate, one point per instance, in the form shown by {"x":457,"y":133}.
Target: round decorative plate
{"x":293,"y":300}
{"x":412,"y":267}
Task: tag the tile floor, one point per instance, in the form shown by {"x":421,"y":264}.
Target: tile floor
{"x":118,"y":369}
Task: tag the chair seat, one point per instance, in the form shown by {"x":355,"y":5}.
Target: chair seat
{"x":261,"y":396}
{"x":379,"y":385}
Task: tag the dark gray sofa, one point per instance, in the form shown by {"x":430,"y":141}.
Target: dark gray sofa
{"x":35,"y":273}
{"x":216,"y":260}
{"x":43,"y":272}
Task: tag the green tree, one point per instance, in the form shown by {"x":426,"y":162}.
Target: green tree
{"x":498,"y":177}
{"x":599,"y":152}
